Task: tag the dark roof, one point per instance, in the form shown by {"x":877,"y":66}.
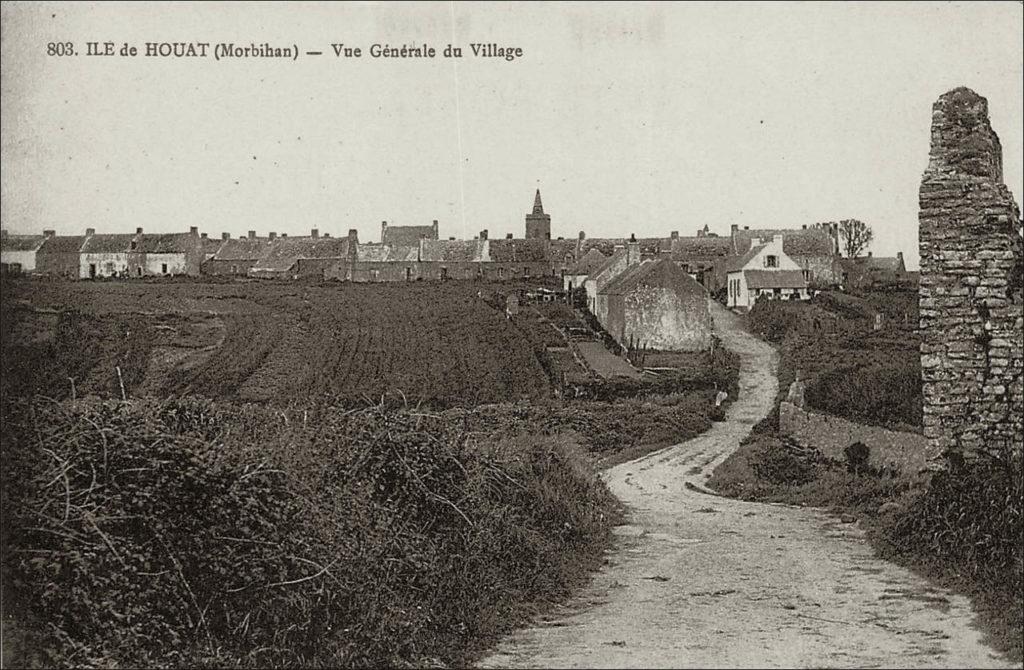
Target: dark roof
{"x":603,"y":269}
{"x":284,"y":252}
{"x":375,"y":253}
{"x":210,"y":245}
{"x":888,"y":263}
{"x":452,"y":251}
{"x":662,"y":273}
{"x":701,"y":248}
{"x":737,"y":262}
{"x":559,"y":250}
{"x":775,"y":279}
{"x":167,"y":243}
{"x":591,"y":260}
{"x":21,"y":242}
{"x":795,"y":242}
{"x":518,"y":251}
{"x":407,"y":235}
{"x":649,"y":246}
{"x":108,"y":243}
{"x":62,"y":244}
{"x":242,"y":249}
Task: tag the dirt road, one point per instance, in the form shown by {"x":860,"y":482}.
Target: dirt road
{"x":703,"y":581}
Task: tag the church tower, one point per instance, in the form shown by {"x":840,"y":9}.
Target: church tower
{"x":538,"y":224}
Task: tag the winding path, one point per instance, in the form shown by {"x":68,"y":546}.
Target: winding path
{"x":703,"y":581}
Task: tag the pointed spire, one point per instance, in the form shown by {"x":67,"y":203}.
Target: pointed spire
{"x":538,"y":207}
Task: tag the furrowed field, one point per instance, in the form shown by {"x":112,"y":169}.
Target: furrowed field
{"x":266,"y":342}
{"x":243,"y":474}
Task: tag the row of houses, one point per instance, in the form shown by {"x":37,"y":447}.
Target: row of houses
{"x":411,"y":253}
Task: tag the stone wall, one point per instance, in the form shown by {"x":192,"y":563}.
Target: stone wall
{"x":908,"y":453}
{"x":970,"y":289}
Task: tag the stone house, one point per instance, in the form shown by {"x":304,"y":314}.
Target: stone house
{"x":658,"y":305}
{"x":617,"y":263}
{"x":282,"y":256}
{"x":704,"y":257}
{"x":578,"y":272}
{"x":815,"y":249}
{"x":107,"y":255}
{"x":18,"y":252}
{"x":236,"y":255}
{"x":406,"y":236}
{"x":59,"y":256}
{"x":765,"y":270}
{"x":166,"y":253}
{"x":868,"y":270}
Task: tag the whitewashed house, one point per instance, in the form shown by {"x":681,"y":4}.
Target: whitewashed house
{"x":765,"y":270}
{"x":18,"y":252}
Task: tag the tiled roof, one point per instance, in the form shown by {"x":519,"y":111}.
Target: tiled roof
{"x":558,"y":250}
{"x":697,"y":248}
{"x":657,"y":274}
{"x":284,"y":252}
{"x":376,"y":253}
{"x":775,"y":279}
{"x":112,"y":243}
{"x":736,"y":263}
{"x":518,"y":251}
{"x":649,"y":246}
{"x":167,"y":243}
{"x":63,"y":244}
{"x":21,"y":242}
{"x":795,"y":242}
{"x":590,"y":261}
{"x":242,"y":249}
{"x":453,"y":250}
{"x":407,"y":235}
{"x":604,"y":271}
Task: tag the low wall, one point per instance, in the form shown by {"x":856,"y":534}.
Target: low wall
{"x":906,"y":452}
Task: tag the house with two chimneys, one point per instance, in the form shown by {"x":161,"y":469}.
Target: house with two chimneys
{"x":95,"y":255}
{"x":765,"y":271}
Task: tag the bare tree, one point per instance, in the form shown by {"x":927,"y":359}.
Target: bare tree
{"x":856,"y":236}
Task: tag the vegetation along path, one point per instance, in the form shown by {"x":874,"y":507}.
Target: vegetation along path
{"x":705,"y":581}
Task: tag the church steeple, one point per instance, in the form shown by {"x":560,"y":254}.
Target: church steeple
{"x":538,"y":224}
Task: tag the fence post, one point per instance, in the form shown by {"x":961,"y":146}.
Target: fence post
{"x":120,"y":381}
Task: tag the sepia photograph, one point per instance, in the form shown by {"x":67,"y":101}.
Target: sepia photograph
{"x":511,"y":334}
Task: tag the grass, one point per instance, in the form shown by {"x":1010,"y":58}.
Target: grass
{"x":201,"y":533}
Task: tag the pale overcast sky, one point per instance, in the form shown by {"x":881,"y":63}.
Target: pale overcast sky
{"x":639,"y":118}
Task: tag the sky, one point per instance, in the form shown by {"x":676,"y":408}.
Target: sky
{"x":631,"y":119}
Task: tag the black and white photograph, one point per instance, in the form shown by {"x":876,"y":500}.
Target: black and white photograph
{"x":511,"y":334}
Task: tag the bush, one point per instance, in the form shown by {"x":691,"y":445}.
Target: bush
{"x":195,"y":533}
{"x":883,"y":393}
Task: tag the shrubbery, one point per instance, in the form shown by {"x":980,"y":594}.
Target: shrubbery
{"x":194,"y":533}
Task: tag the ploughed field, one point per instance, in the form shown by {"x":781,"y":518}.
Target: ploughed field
{"x":260,"y":341}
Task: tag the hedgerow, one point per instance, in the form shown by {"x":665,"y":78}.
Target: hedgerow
{"x":184,"y":533}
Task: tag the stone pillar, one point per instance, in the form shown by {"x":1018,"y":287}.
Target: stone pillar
{"x":970,"y":291}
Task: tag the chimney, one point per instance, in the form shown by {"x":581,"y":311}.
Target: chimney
{"x":561,"y":238}
{"x":451,"y":238}
{"x":435,"y":229}
{"x":202,"y":235}
{"x":483,"y":234}
{"x":583,"y":235}
{"x":271,"y":235}
{"x":284,"y":235}
{"x":700,"y":232}
{"x":804,"y":226}
{"x":777,"y":239}
{"x":314,"y":233}
{"x":674,"y":235}
{"x":225,"y":236}
{"x":734,"y":229}
{"x":746,"y":227}
{"x":138,"y":231}
{"x":90,"y":231}
{"x":869,"y":254}
{"x":252,"y":234}
{"x":353,"y":235}
{"x":194,"y":231}
{"x":508,"y":236}
{"x":383,"y":229}
{"x":46,"y":233}
{"x":632,"y":251}
{"x":899,"y":255}
{"x":327,"y":235}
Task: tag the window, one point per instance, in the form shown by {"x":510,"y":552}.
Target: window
{"x":163,"y":268}
{"x":501,"y":273}
{"x":408,"y":274}
{"x":444,"y":273}
{"x":807,"y":275}
{"x":374,"y":275}
{"x":771,"y":261}
{"x":138,"y":271}
{"x":526,"y":272}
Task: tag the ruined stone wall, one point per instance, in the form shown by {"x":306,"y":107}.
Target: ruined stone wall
{"x":970,"y":289}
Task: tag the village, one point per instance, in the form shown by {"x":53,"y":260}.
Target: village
{"x":649,"y":335}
